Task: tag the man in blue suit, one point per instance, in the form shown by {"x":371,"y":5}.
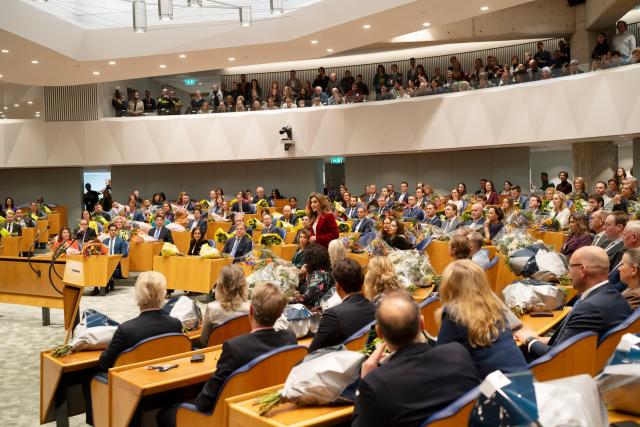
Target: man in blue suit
{"x":238,"y":245}
{"x":599,"y":308}
{"x":351,"y":211}
{"x":270,"y":226}
{"x":116,"y":246}
{"x":518,"y":197}
{"x":430,"y":215}
{"x":383,"y":208}
{"x":198,"y":221}
{"x":363,"y":224}
{"x":477,"y":217}
{"x":412,"y":212}
{"x":630,"y":240}
{"x":160,"y":232}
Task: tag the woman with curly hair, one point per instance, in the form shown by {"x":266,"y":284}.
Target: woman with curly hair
{"x":316,"y":279}
{"x":380,"y":279}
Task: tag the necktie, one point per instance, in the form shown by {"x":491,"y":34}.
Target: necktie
{"x":235,"y":247}
{"x":10,"y":227}
{"x":157,"y":234}
{"x":111,"y":243}
{"x":351,"y":213}
{"x":357,"y":226}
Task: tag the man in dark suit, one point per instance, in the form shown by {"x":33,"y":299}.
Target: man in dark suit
{"x":352,"y":210}
{"x":412,"y":212}
{"x":383,"y":207}
{"x":267,"y":304}
{"x":363,"y":224}
{"x":403,"y":197}
{"x":630,"y":240}
{"x":270,"y":226}
{"x":85,"y":234}
{"x":99,"y":214}
{"x":430,"y":215}
{"x":115,"y":246}
{"x":355,"y":311}
{"x":198,"y":221}
{"x":160,"y":232}
{"x":452,"y":222}
{"x":241,"y":205}
{"x":599,"y":308}
{"x":371,"y":198}
{"x":596,"y":224}
{"x":288,"y":215}
{"x":12,"y":227}
{"x":417,"y":380}
{"x":238,"y":245}
{"x":477,"y":217}
{"x":614,"y":228}
{"x":25,"y":221}
{"x":238,"y":218}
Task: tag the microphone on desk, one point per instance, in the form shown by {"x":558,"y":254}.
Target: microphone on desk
{"x":32,"y":247}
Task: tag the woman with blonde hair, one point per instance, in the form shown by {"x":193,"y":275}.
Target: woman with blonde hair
{"x":337,"y":252}
{"x":231,"y":300}
{"x":559,"y":210}
{"x":380,"y":279}
{"x":472,"y":315}
{"x":630,"y":276}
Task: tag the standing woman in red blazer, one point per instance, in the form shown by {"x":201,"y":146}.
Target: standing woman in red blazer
{"x":321,"y":220}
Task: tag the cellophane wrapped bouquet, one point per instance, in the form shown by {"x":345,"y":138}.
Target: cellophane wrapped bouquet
{"x":270,"y":268}
{"x":412,"y":268}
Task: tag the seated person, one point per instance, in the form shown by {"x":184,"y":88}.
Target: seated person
{"x":316,"y":278}
{"x":239,"y":245}
{"x":355,"y":311}
{"x":413,"y":212}
{"x":303,"y":241}
{"x":599,"y":308}
{"x":231,"y":300}
{"x":270,"y":226}
{"x":493,"y":225}
{"x":24,"y":221}
{"x":267,"y":305}
{"x":115,"y":246}
{"x":288,"y":216}
{"x":35,"y":212}
{"x":579,"y":234}
{"x":363,"y":224}
{"x":380,"y":279}
{"x":452,"y":222}
{"x":65,"y":243}
{"x":394,"y":235}
{"x":198,"y":221}
{"x":12,"y":227}
{"x":85,"y":233}
{"x":337,"y":252}
{"x":197,"y":240}
{"x":238,"y":218}
{"x":477,"y":217}
{"x":474,"y":317}
{"x":417,"y":379}
{"x":241,"y":204}
{"x":150,"y":291}
{"x":630,"y":276}
{"x":431,"y":216}
{"x":160,"y":232}
{"x":478,"y":255}
{"x":459,"y":247}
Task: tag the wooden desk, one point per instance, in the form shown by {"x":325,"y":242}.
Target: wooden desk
{"x":11,"y":246}
{"x":28,"y":236}
{"x":213,"y":226}
{"x":55,"y":222}
{"x":285,"y":252}
{"x":439,"y":257}
{"x":64,"y":216}
{"x":290,"y":237}
{"x":542,"y":325}
{"x":553,"y":238}
{"x":129,"y":384}
{"x":141,"y":255}
{"x":243,"y":413}
{"x":95,"y":270}
{"x":42,"y":225}
{"x":190,"y":273}
{"x":182,"y":239}
{"x":616,"y":417}
{"x":362,"y":259}
{"x":19,"y":284}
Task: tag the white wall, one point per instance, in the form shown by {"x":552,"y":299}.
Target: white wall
{"x":551,"y":161}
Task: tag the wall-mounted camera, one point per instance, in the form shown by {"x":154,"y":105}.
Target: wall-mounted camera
{"x":287,"y":141}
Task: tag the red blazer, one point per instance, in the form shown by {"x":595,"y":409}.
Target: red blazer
{"x":326,"y":229}
{"x":493,"y":198}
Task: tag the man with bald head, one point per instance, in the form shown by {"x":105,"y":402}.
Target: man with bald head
{"x":599,"y":308}
{"x":417,"y":379}
{"x":477,"y":217}
{"x":596,"y":224}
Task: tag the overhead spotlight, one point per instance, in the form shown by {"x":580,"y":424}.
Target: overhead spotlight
{"x":276,"y":7}
{"x":329,"y":50}
{"x":165,"y":10}
{"x":4,"y":50}
{"x":366,"y":26}
{"x":139,"y":16}
{"x":96,"y":73}
{"x":245,"y":16}
{"x":182,"y":56}
{"x":35,"y":62}
{"x":30,"y":102}
{"x":194,"y":3}
{"x":314,"y":41}
{"x":1,"y":76}
{"x":112,"y":62}
{"x":16,"y":105}
{"x":231,"y":58}
{"x":484,"y":8}
{"x":163,"y":66}
{"x":426,"y":24}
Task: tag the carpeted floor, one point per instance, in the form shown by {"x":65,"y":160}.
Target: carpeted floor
{"x":24,"y":338}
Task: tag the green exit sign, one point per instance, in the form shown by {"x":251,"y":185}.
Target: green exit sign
{"x":336,"y":160}
{"x":190,"y":82}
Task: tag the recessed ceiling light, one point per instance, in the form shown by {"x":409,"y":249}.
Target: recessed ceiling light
{"x":314,"y":41}
{"x":35,"y":61}
{"x":30,"y":102}
{"x":426,"y":24}
{"x":182,"y":55}
{"x":231,"y":58}
{"x":366,"y":26}
{"x":329,"y":50}
{"x":112,"y":62}
{"x":37,"y":112}
{"x":6,"y":108}
{"x":1,"y":76}
{"x":16,"y":105}
{"x":484,"y":8}
{"x":163,"y":66}
{"x":4,"y":50}
{"x":96,"y":73}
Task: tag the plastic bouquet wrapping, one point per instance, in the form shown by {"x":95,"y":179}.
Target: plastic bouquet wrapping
{"x":141,"y":237}
{"x":319,"y":379}
{"x":298,"y":319}
{"x":376,"y":246}
{"x":276,"y":271}
{"x":633,"y":208}
{"x":619,"y":383}
{"x":204,"y":204}
{"x":220,"y":236}
{"x":169,"y":249}
{"x":519,"y":219}
{"x":254,"y":224}
{"x":343,"y":227}
{"x":262,"y":204}
{"x":208,"y":252}
{"x":271,"y":239}
{"x":300,"y":213}
{"x":337,"y":206}
{"x":288,"y":227}
{"x":94,"y":332}
{"x":142,"y":226}
{"x":351,"y":242}
{"x":412,"y":267}
{"x":4,"y":232}
{"x":522,"y":298}
{"x":175,"y":227}
{"x":185,"y":310}
{"x":508,"y":244}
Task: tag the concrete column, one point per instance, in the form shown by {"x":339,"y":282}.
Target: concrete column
{"x":582,"y":40}
{"x":636,"y":156}
{"x":595,"y":161}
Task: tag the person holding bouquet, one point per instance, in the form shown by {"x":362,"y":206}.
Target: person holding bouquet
{"x":303,"y":241}
{"x":323,"y":223}
{"x":394,"y":236}
{"x":316,"y":279}
{"x":493,"y":224}
{"x":559,"y":211}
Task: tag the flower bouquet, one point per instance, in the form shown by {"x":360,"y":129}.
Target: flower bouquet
{"x":271,"y":239}
{"x":254,"y":224}
{"x":579,"y":204}
{"x":300,"y":213}
{"x":337,"y":206}
{"x":549,"y":224}
{"x":262,"y":204}
{"x":285,"y":226}
{"x":466,"y":216}
{"x":220,"y":236}
{"x":208,"y":252}
{"x":277,"y":271}
{"x":633,"y":208}
{"x":344,"y":227}
{"x":350,"y":242}
{"x":412,"y":267}
{"x":519,"y":219}
{"x":377,"y":247}
{"x":204,"y":204}
{"x":169,"y":249}
{"x":94,"y":247}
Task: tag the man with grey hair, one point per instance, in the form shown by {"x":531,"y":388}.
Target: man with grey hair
{"x":545,"y":73}
{"x":478,"y":255}
{"x":324,"y":99}
{"x":599,"y":308}
{"x":573,"y":67}
{"x":630,"y":240}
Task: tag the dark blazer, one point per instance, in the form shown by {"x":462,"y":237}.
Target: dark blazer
{"x":148,"y":324}
{"x":201,"y":224}
{"x":478,"y":224}
{"x":603,"y":308}
{"x":615,"y":250}
{"x":450,"y":225}
{"x":414,"y":213}
{"x":433,"y":221}
{"x":367,"y":225}
{"x":326,"y":229}
{"x":244,"y":247}
{"x":120,"y":247}
{"x":398,"y":242}
{"x":273,"y":230}
{"x":502,"y":354}
{"x":615,"y":280}
{"x":601,"y":241}
{"x":369,"y":198}
{"x":237,"y":352}
{"x":417,"y":381}
{"x":87,"y":236}
{"x":352,"y":212}
{"x":195,"y":246}
{"x":165,"y":234}
{"x":575,"y":242}
{"x":246,"y":207}
{"x":298,"y":258}
{"x":340,"y":322}
{"x":13,"y":228}
{"x":402,"y":197}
